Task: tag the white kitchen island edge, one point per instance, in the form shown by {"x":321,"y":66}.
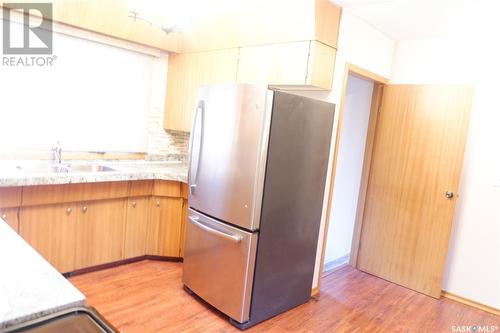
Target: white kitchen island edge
{"x":29,"y":286}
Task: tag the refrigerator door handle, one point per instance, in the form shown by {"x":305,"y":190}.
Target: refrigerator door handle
{"x":200,"y":107}
{"x":233,"y":238}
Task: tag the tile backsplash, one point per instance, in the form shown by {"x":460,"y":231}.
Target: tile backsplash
{"x":165,"y":144}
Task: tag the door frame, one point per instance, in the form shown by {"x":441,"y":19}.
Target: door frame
{"x":379,"y":83}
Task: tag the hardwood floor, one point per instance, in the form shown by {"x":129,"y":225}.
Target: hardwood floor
{"x":147,"y":296}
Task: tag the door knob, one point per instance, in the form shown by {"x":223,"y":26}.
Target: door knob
{"x":449,"y":194}
{"x":4,"y":217}
{"x":84,"y":209}
{"x":68,"y":211}
{"x":134,"y":204}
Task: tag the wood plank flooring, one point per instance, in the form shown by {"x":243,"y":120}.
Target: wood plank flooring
{"x":147,"y":296}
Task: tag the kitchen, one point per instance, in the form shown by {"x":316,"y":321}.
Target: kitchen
{"x":189,"y":166}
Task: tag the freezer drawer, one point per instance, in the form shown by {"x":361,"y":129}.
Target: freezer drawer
{"x":219,"y":264}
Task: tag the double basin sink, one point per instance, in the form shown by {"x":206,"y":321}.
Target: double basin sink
{"x":63,"y":168}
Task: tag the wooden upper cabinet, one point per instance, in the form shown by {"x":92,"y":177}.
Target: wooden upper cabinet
{"x":261,"y":22}
{"x":256,"y":41}
{"x":306,"y":63}
{"x":250,"y":22}
{"x":274,"y":63}
{"x":326,"y":22}
{"x":186,"y":73}
{"x":321,"y":65}
{"x":111,"y":18}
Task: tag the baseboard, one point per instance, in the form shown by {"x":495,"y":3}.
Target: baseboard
{"x":120,"y":263}
{"x":335,"y":264}
{"x":470,"y":302}
{"x":162,"y":258}
{"x":331,"y":267}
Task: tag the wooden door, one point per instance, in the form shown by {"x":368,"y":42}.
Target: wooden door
{"x":136,"y":227}
{"x":51,"y":231}
{"x":417,"y":157}
{"x":164,"y":233}
{"x":100,"y":232}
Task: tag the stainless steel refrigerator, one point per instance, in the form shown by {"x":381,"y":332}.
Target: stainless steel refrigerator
{"x":257,"y":175}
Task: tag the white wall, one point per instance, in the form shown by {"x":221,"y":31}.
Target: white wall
{"x":364,"y":46}
{"x":95,"y":97}
{"x":473,"y":264}
{"x":355,"y":119}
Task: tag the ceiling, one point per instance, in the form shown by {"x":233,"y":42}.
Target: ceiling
{"x":409,"y":19}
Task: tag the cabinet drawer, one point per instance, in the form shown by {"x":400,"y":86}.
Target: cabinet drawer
{"x":55,"y":194}
{"x":219,"y":264}
{"x":10,"y":197}
{"x":139,"y":188}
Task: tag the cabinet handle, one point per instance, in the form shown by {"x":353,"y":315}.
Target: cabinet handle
{"x":134,"y":204}
{"x":4,"y":217}
{"x":68,"y":211}
{"x":84,"y":208}
{"x":158,"y":203}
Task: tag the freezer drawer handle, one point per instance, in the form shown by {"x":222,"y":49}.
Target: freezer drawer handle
{"x":233,"y":238}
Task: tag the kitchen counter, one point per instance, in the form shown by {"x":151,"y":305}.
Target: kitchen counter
{"x":10,"y":175}
{"x":29,"y":286}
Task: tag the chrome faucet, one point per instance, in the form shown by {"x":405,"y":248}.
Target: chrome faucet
{"x":57,"y":151}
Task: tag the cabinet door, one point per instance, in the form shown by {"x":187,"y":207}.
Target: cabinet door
{"x":136,"y":227}
{"x":280,"y":64}
{"x":100,"y":232}
{"x":9,"y":215}
{"x":321,"y":66}
{"x":165,"y":227}
{"x":51,"y":230}
{"x":186,"y":73}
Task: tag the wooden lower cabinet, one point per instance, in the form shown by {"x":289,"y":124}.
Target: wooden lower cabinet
{"x":51,"y":230}
{"x":89,"y":233}
{"x":136,"y":227}
{"x":164,"y":226}
{"x":182,"y":244}
{"x":10,"y":216}
{"x":100,"y":232}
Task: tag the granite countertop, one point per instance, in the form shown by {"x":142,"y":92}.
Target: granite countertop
{"x":29,"y":286}
{"x":11,"y":175}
